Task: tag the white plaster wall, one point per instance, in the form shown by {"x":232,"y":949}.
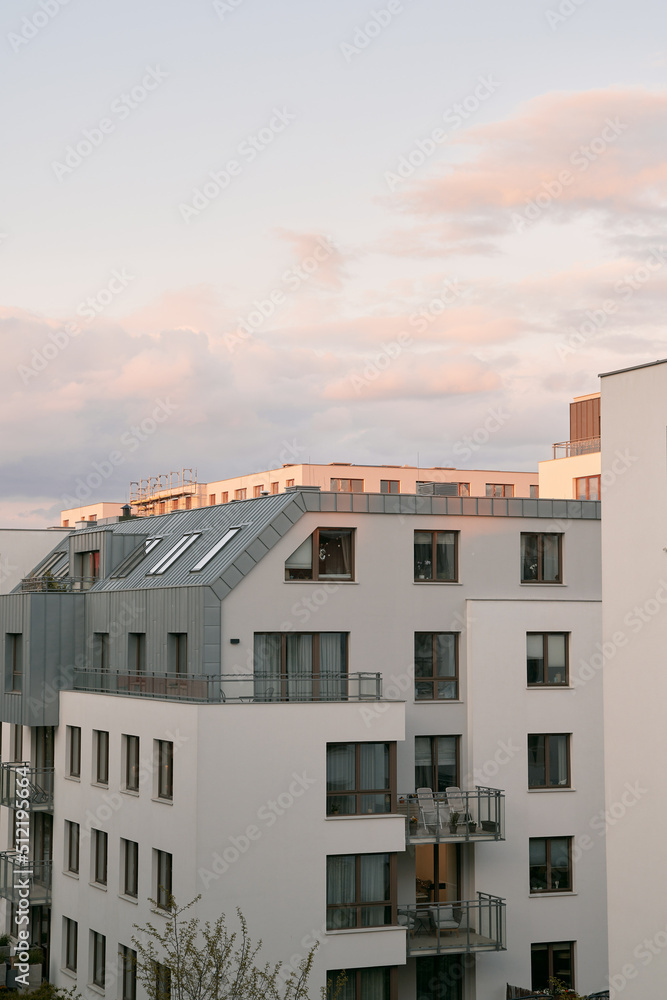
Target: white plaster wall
{"x":557,"y":476}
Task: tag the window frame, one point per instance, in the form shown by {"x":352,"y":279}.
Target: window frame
{"x":587,"y":490}
{"x":339,"y":489}
{"x":550,"y":945}
{"x":389,"y":483}
{"x":71,"y":944}
{"x":74,"y":752}
{"x":128,"y":970}
{"x":101,"y":742}
{"x":100,"y":857}
{"x":72,"y":847}
{"x":359,"y":790}
{"x":540,"y":535}
{"x":315,"y":562}
{"x":132,"y":748}
{"x":130,"y":884}
{"x":14,"y":662}
{"x":534,"y":491}
{"x":136,"y":653}
{"x":316,"y":676}
{"x":177,"y":653}
{"x":165,"y":770}
{"x":549,"y":886}
{"x":99,"y":949}
{"x":164,"y":874}
{"x":506,"y":490}
{"x":434,"y":679}
{"x":545,"y":660}
{"x":358,"y":905}
{"x":546,"y":737}
{"x":434,"y":758}
{"x":434,"y":532}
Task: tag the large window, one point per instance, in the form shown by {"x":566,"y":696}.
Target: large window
{"x":549,"y":961}
{"x":128,"y":972}
{"x":361,"y":778}
{"x":101,"y":651}
{"x":436,"y":762}
{"x":70,"y":950}
{"x":347,"y":485}
{"x":587,"y":488}
{"x":163,"y":869}
{"x":550,"y":864}
{"x":100,"y":844}
{"x":361,"y":890}
{"x":301,"y":666}
{"x":136,"y":652}
{"x":72,"y":833}
{"x":541,"y":557}
{"x":390,"y":486}
{"x":436,"y":666}
{"x":362,"y":984}
{"x":165,"y":769}
{"x":436,"y":556}
{"x":98,"y":964}
{"x":74,"y":751}
{"x":546,"y":659}
{"x":327,"y":554}
{"x":130,"y":863}
{"x":131,"y":749}
{"x":549,"y":760}
{"x":14,"y":661}
{"x":101,"y":748}
{"x":499,"y":490}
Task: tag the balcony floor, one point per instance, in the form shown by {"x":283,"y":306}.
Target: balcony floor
{"x":449,"y":942}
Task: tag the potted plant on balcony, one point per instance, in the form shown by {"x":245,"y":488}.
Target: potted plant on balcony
{"x":35,"y":961}
{"x":454,"y":818}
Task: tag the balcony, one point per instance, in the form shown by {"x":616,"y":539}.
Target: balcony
{"x":234,"y":688}
{"x":62,"y":585}
{"x":40,"y":793}
{"x":456,"y":927}
{"x":568,"y":449}
{"x":13,"y":873}
{"x":468,"y":817}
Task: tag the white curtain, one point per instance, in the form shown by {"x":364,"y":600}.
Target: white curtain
{"x":267,"y":667}
{"x":299,"y":667}
{"x":374,"y":887}
{"x":333,"y":666}
{"x":341,"y":884}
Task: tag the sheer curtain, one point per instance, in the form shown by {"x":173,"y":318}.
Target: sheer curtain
{"x":341,"y":774}
{"x":299,"y":667}
{"x":341,"y":881}
{"x":333,"y":666}
{"x":423,"y":762}
{"x":550,"y":560}
{"x":267,"y":667}
{"x":374,"y":984}
{"x":374,"y":767}
{"x":375,"y":885}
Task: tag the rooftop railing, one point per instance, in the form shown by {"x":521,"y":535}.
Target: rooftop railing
{"x":476,"y":815}
{"x":234,"y":688}
{"x":14,"y":872}
{"x":455,"y":927}
{"x":568,"y":449}
{"x":40,"y":786}
{"x":51,"y":584}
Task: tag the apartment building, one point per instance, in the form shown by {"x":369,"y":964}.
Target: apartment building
{"x":574,"y":472}
{"x":361,"y":717}
{"x":182,"y":491}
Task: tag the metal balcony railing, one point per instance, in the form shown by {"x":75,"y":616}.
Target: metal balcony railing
{"x":40,"y":786}
{"x":477,"y":815}
{"x":568,"y":449}
{"x":51,"y":584}
{"x":234,"y":688}
{"x":13,"y":875}
{"x":456,"y":927}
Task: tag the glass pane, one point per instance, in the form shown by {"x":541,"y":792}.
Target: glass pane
{"x":550,"y":560}
{"x":267,"y":667}
{"x":341,"y":985}
{"x":343,"y":805}
{"x":335,"y":555}
{"x":299,"y":667}
{"x":560,"y":863}
{"x":375,"y":916}
{"x":562,"y":959}
{"x":374,"y":765}
{"x":341,"y":918}
{"x":375,"y":882}
{"x":581,"y":489}
{"x":423,"y":692}
{"x":445,"y":654}
{"x":536,"y":764}
{"x":539,"y":963}
{"x":376,"y":803}
{"x":445,"y":555}
{"x":423,"y":762}
{"x":535,"y":658}
{"x":447,"y":770}
{"x":447,"y":690}
{"x":341,"y":878}
{"x":340,"y":767}
{"x":594,"y":488}
{"x":556,"y":658}
{"x":441,"y":977}
{"x":558,"y":760}
{"x":423,"y":654}
{"x":529,"y":557}
{"x":299,"y":566}
{"x":374,"y":984}
{"x":538,"y":851}
{"x":333,"y":666}
{"x":423,"y":555}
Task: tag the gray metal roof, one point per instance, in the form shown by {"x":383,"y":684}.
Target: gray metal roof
{"x":266,"y":519}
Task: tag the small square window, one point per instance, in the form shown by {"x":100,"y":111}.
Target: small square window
{"x":327,"y":554}
{"x":587,"y":488}
{"x":257,"y":491}
{"x":436,"y":556}
{"x":499,"y":490}
{"x":275,"y":487}
{"x":547,"y":659}
{"x":550,"y":864}
{"x":541,"y":557}
{"x":240,"y":494}
{"x":549,"y":760}
{"x":346,"y":485}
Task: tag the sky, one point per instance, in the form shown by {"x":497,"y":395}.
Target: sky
{"x":235,"y":233}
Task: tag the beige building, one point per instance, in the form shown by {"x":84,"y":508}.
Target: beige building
{"x":574,"y":471}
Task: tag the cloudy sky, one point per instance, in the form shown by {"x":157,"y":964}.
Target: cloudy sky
{"x":340,"y":231}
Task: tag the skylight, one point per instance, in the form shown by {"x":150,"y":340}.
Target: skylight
{"x":135,"y":557}
{"x":216,"y":548}
{"x":47,"y":566}
{"x":173,"y":554}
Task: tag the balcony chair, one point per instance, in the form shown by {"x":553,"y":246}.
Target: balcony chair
{"x":458,"y":802}
{"x":429,"y":812}
{"x":444,"y":918}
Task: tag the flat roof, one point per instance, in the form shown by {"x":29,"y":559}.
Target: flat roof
{"x":633,"y":368}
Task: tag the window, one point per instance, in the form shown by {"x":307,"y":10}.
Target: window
{"x":436,"y":555}
{"x":499,"y":490}
{"x":550,"y":864}
{"x":436,"y":762}
{"x":212,"y":552}
{"x":534,"y":492}
{"x":128,"y":972}
{"x":240,"y":494}
{"x":136,"y":652}
{"x":165,"y":769}
{"x":362,"y":984}
{"x":175,"y":504}
{"x":540,"y":558}
{"x":440,"y":977}
{"x":100,"y":842}
{"x":211,"y":499}
{"x":300,"y":666}
{"x":258,"y":490}
{"x":188,"y":503}
{"x":72,"y":832}
{"x":17,"y":743}
{"x":162,"y":982}
{"x":361,"y":778}
{"x":177,"y":652}
{"x":274,"y":488}
{"x":100,"y":651}
{"x":390,"y":486}
{"x":546,"y":658}
{"x":163,"y":866}
{"x":70,"y":934}
{"x":131,"y":763}
{"x":14,"y":662}
{"x":549,"y":961}
{"x":587,"y":488}
{"x":224,"y":497}
{"x":74,"y":751}
{"x":98,"y":949}
{"x":87,"y":568}
{"x":101,"y":746}
{"x":436,"y":666}
{"x":66,"y":523}
{"x":135,"y":558}
{"x":130,"y":869}
{"x":170,"y":557}
{"x":327,"y":554}
{"x":361,"y":890}
{"x":162,"y":506}
{"x":289,"y":483}
{"x":549,"y":760}
{"x":347,"y":486}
